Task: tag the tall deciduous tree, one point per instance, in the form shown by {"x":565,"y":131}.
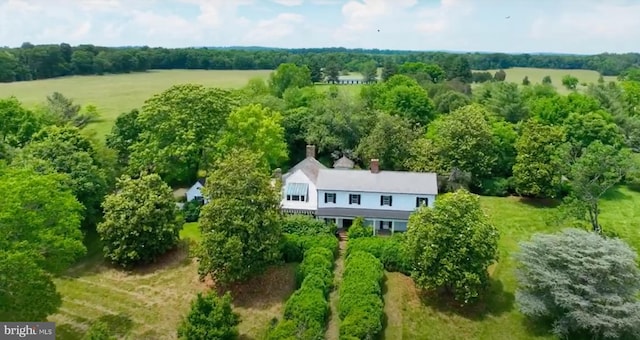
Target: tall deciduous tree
{"x":389,"y":141}
{"x":452,"y":245}
{"x":598,"y":169}
{"x":18,"y":124}
{"x":180,"y":128}
{"x":584,"y":129}
{"x":370,"y":71}
{"x":584,"y":284}
{"x":241,"y":222}
{"x":141,"y":221}
{"x":258,"y":129}
{"x":124,"y":133}
{"x":463,"y":140}
{"x":40,"y":224}
{"x":210,"y":317}
{"x":289,"y":75}
{"x":68,"y":151}
{"x":389,"y":69}
{"x":541,"y":160}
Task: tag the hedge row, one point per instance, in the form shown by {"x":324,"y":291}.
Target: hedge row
{"x":304,"y":225}
{"x":389,"y":250}
{"x":306,"y":311}
{"x":361,"y":306}
{"x":294,"y":246}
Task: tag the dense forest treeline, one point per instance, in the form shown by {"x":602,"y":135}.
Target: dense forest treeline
{"x":30,"y":62}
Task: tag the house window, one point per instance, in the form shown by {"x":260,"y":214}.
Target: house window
{"x":288,"y":197}
{"x":386,"y":200}
{"x":295,"y":198}
{"x":420,"y":201}
{"x":354,"y":199}
{"x":329,"y":197}
{"x":302,"y":198}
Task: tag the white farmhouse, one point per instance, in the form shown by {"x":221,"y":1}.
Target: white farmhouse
{"x":385,"y":199}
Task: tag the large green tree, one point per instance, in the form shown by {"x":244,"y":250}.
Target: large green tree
{"x":584,"y":129}
{"x":389,"y":141}
{"x":124,"y":133}
{"x":68,"y":151}
{"x":65,"y":111}
{"x":582,"y":284}
{"x":180,"y":127}
{"x":597,"y":170}
{"x":210,"y":317}
{"x":40,"y":223}
{"x":541,"y":160}
{"x":141,"y":221}
{"x":241,"y":223}
{"x":289,"y":75}
{"x":452,"y":245}
{"x":463,"y":140}
{"x":257,"y":129}
{"x":18,"y":124}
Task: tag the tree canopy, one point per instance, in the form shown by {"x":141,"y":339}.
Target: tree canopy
{"x":180,"y":127}
{"x":141,"y":221}
{"x":452,"y":245}
{"x":584,"y":284}
{"x":241,"y":223}
{"x":40,"y":223}
{"x":210,"y":317}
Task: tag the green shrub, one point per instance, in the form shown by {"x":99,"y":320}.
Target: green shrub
{"x":316,"y":265}
{"x":307,"y":305}
{"x":498,"y":186}
{"x":191,"y":211}
{"x":304,"y":225}
{"x":389,"y":250}
{"x":360,"y":307}
{"x":362,"y":324}
{"x":210,"y":317}
{"x":98,"y":331}
{"x":294,"y":246}
{"x":284,"y":330}
{"x":358,"y":229}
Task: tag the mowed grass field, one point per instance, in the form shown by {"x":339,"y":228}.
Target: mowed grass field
{"x":535,"y":75}
{"x":114,"y":94}
{"x":149,"y":302}
{"x":412,"y":315}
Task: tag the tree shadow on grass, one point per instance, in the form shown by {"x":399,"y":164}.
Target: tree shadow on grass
{"x":615,"y":194}
{"x":540,"y":203}
{"x":118,"y":324}
{"x":494,"y":301}
{"x":174,"y":258}
{"x":272,"y":287}
{"x":67,"y":332}
{"x":537,"y":327}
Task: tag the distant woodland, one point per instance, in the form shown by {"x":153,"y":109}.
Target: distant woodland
{"x":30,"y":62}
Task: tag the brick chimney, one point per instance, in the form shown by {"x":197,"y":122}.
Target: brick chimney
{"x":311,"y":151}
{"x":374,"y":166}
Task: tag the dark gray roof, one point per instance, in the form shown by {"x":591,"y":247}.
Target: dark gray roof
{"x":366,"y":213}
{"x":344,"y":163}
{"x":202,"y":180}
{"x":399,"y":182}
{"x":309,"y":166}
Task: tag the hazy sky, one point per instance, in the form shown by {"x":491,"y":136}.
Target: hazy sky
{"x":572,"y":26}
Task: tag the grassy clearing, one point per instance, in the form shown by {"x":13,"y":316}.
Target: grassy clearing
{"x":414,"y":315}
{"x":148,"y":303}
{"x":114,"y":94}
{"x":516,"y":74}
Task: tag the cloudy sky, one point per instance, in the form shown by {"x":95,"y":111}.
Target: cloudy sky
{"x":571,"y":26}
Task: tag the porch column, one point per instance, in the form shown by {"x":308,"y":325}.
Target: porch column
{"x":373,"y":226}
{"x":393,"y":227}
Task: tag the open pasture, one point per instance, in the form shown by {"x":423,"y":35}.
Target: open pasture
{"x":114,"y":94}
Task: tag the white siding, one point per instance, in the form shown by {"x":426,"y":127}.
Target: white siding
{"x":311,"y":201}
{"x":369,"y":200}
{"x":194,"y":191}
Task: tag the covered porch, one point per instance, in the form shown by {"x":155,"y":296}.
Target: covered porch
{"x":382,"y":222}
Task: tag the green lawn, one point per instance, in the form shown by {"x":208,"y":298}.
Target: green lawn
{"x":114,"y":94}
{"x":148,"y":303}
{"x":516,"y":74}
{"x":412,"y":315}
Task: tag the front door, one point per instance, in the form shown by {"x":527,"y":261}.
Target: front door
{"x":346,"y":223}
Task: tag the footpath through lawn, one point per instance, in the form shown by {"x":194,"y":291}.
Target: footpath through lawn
{"x":333,"y":328}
